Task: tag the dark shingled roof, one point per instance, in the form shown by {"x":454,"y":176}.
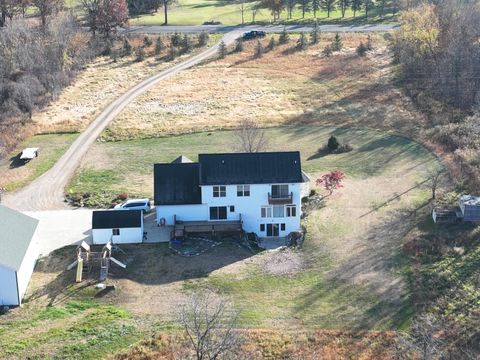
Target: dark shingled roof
{"x":250,"y":168}
{"x":113,"y":219}
{"x":176,"y":184}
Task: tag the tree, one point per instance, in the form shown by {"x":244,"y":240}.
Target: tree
{"x":8,"y":9}
{"x":91,"y":8}
{"x":222,"y":50}
{"x":258,"y":52}
{"x":111,"y":14}
{"x":331,"y":181}
{"x":434,"y":180}
{"x":337,"y":43}
{"x":305,"y":6}
{"x":316,"y":6}
{"x":356,"y":5}
{"x":275,"y":7}
{"x":159,"y":46}
{"x":333,"y":143}
{"x":314,"y":35}
{"x":271,"y":44}
{"x":242,"y":8}
{"x":186,"y":44}
{"x":343,"y":5}
{"x":239,"y":45}
{"x":203,"y":39}
{"x":250,"y":138}
{"x":209,"y":325}
{"x":368,"y":4}
{"x":290,"y":5}
{"x":302,"y":42}
{"x":327,"y":51}
{"x":328,"y":6}
{"x":166,"y":4}
{"x":284,"y":37}
{"x":47,"y":8}
{"x":424,"y":342}
{"x":127,"y":47}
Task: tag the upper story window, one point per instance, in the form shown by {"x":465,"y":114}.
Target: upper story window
{"x":266,"y":211}
{"x":278,"y":211}
{"x":219,"y":191}
{"x":243,"y":190}
{"x":291,"y":210}
{"x":280,"y":191}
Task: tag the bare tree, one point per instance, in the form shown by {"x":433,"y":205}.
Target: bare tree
{"x":250,"y":138}
{"x":47,"y":8}
{"x":424,"y":342}
{"x":434,"y":181}
{"x":209,"y":322}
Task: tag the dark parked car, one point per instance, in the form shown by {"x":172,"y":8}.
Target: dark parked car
{"x":212,"y":22}
{"x":253,"y":34}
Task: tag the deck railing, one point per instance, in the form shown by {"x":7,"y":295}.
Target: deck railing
{"x":280,"y":198}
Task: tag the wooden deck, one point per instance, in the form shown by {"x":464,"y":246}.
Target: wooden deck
{"x":182,"y":228}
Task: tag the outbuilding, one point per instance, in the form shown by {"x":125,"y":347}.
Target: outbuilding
{"x":470,"y":207}
{"x":18,"y":254}
{"x":117,"y":226}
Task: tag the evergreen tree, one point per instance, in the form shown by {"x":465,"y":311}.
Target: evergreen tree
{"x":316,"y":6}
{"x":258,"y":50}
{"x":356,"y":5}
{"x":314,"y":35}
{"x":222,"y":50}
{"x":147,"y":41}
{"x":327,"y":51}
{"x":343,"y":5}
{"x":159,"y":46}
{"x":305,"y":6}
{"x":337,"y":44}
{"x":271,"y":44}
{"x":368,"y":4}
{"x":328,"y":6}
{"x":186,"y":44}
{"x":239,"y":45}
{"x":290,"y":5}
{"x":127,"y":47}
{"x":302,"y":42}
{"x":284,"y":37}
{"x":203,"y":39}
{"x":172,"y":54}
{"x":176,"y":39}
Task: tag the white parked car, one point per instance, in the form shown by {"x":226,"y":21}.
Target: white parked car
{"x":135,"y":204}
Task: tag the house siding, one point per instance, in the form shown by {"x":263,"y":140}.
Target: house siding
{"x":8,"y":288}
{"x":127,"y":236}
{"x":25,"y":271}
{"x":182,"y":212}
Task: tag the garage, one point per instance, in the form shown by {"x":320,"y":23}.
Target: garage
{"x":18,"y":254}
{"x":117,"y":226}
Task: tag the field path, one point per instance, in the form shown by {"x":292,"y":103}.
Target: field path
{"x":46,"y":192}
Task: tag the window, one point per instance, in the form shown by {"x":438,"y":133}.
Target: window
{"x":291,"y":210}
{"x":219,"y":191}
{"x":272,"y":230}
{"x":115,"y":232}
{"x":262,"y":227}
{"x":278,"y":211}
{"x":280,"y":191}
{"x":232,"y":208}
{"x":218,"y":213}
{"x":282,"y":227}
{"x":243,"y":190}
{"x":266,"y":211}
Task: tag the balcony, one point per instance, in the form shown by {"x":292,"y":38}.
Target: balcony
{"x":279,"y":199}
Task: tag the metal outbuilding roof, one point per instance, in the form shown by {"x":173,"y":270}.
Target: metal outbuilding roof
{"x":16,"y":233}
{"x":116,"y":219}
{"x":470,"y":200}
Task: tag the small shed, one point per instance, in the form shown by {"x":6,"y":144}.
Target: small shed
{"x":470,"y":207}
{"x":117,"y":226}
{"x":18,"y":254}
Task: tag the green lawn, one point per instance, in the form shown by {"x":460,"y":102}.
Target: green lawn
{"x":52,"y":147}
{"x":196,"y":12}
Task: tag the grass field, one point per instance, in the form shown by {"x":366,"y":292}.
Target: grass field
{"x":196,"y":12}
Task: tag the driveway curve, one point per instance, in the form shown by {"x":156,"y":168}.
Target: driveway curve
{"x":46,"y":192}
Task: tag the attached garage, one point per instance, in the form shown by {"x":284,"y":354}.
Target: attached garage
{"x":18,"y":254}
{"x":117,"y":226}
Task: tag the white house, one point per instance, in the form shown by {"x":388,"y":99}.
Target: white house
{"x":261,"y":190}
{"x":18,"y":254}
{"x":118,"y":226}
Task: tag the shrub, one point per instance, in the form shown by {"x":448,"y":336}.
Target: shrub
{"x":337,"y":43}
{"x":314,"y":35}
{"x":284,"y":37}
{"x":140,"y":54}
{"x":369,"y":44}
{"x":176,"y":39}
{"x":159,"y":46}
{"x":172,"y":54}
{"x":301,"y":43}
{"x":333,"y":143}
{"x":147,"y":41}
{"x":186,"y":44}
{"x":327,"y":51}
{"x":239,"y":45}
{"x":222,"y":50}
{"x":258,"y":50}
{"x":203,"y":39}
{"x":271,"y":44}
{"x":127,"y":47}
{"x":344,"y":148}
{"x":361,"y":49}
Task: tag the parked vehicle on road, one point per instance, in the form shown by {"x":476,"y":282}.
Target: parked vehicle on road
{"x":212,"y":22}
{"x":135,"y":204}
{"x":249,"y":35}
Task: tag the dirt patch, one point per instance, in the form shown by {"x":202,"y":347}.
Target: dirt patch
{"x":285,"y":262}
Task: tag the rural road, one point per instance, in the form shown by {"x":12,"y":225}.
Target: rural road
{"x":46,"y":192}
{"x":266,"y":28}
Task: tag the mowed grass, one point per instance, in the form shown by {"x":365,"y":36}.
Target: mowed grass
{"x":353,"y":268}
{"x":52,"y":147}
{"x":78,"y":329}
{"x":196,"y":12}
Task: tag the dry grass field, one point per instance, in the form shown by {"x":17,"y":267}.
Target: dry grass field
{"x":282,"y":87}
